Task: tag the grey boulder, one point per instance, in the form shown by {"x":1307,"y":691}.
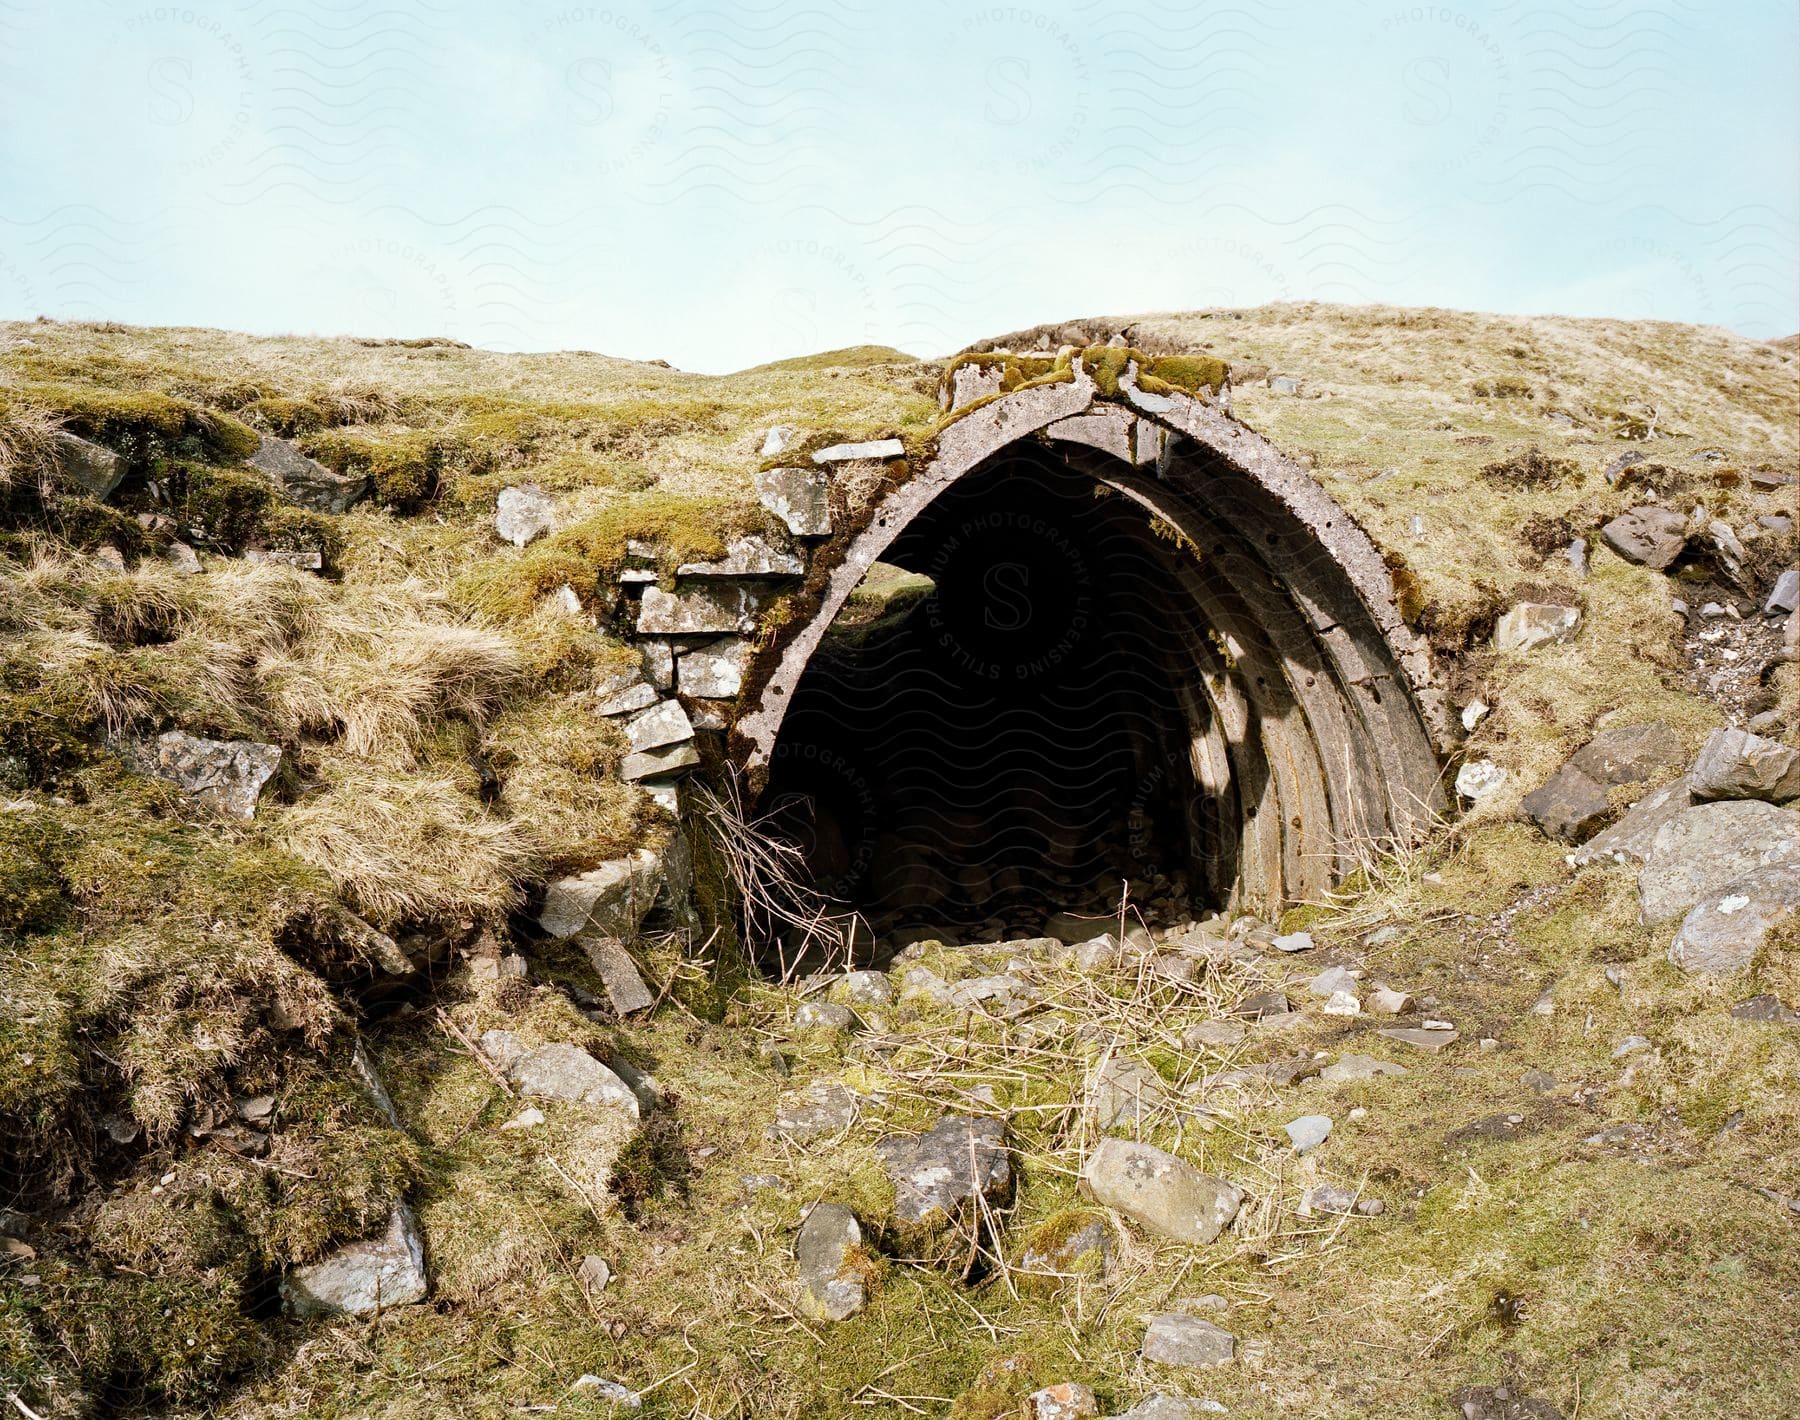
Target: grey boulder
{"x":938,"y":1175}
{"x":93,"y":467}
{"x":828,"y":1249}
{"x":1724,"y":932}
{"x":608,"y":901}
{"x":1630,"y":754}
{"x":800,"y":497}
{"x":523,"y":514}
{"x":1161,"y":1193}
{"x":818,"y":1112}
{"x":1529,"y":625}
{"x":1649,"y":536}
{"x":305,"y":481}
{"x":225,"y":775}
{"x":364,"y":1277}
{"x":1705,"y":848}
{"x":558,"y":1071}
{"x":1629,"y":840}
{"x":1735,"y":764}
{"x":1568,"y":805}
{"x":1177,"y":1339}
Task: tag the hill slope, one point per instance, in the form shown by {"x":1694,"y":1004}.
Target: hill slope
{"x":1596,"y":1237}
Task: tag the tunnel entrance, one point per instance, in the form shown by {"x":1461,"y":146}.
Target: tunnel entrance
{"x":1001,"y":735}
{"x":1100,"y":639}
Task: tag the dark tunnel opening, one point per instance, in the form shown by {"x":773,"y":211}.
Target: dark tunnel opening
{"x":1005,"y":733}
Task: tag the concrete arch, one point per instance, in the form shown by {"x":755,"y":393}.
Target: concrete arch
{"x":1314,"y":725}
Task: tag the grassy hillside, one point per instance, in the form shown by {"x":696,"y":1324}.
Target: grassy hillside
{"x":159,"y":965}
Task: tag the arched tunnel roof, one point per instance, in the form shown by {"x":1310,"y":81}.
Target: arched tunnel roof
{"x":1320,"y":715}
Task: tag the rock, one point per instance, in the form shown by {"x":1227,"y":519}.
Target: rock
{"x":1333,"y":979}
{"x":1177,"y":1339}
{"x":599,"y":1388}
{"x":639,"y":695}
{"x":715,"y":670}
{"x":305,"y":481}
{"x":558,"y":1071}
{"x":1724,"y":932}
{"x":1473,"y":714}
{"x":1284,"y":384}
{"x":708,"y":609}
{"x":800,"y":497}
{"x":1623,"y":462}
{"x":525,"y":1119}
{"x":817,"y":1112}
{"x":625,"y":987}
{"x":1004,"y":996}
{"x":1735,"y":764}
{"x":183,"y":559}
{"x":1728,"y":552}
{"x":523,"y":513}
{"x":1629,"y":840}
{"x":94,"y":468}
{"x":308,"y":560}
{"x":1631,"y":754}
{"x":1568,"y":805}
{"x":1702,"y":850}
{"x":1784,"y":596}
{"x":1649,"y":536}
{"x":1499,"y":1403}
{"x":824,"y":1015}
{"x":778,"y":438}
{"x":225,"y":775}
{"x":1430,"y":1041}
{"x":1294,"y":942}
{"x":1212,"y":1035}
{"x":1327,"y":1198}
{"x":871,"y":449}
{"x":108,"y":558}
{"x":1061,"y":1250}
{"x":608,"y":901}
{"x":652,"y":763}
{"x":1577,"y":554}
{"x":1171,"y":1407}
{"x":364,"y":1277}
{"x":866,"y":988}
{"x":1347,"y":1069}
{"x":1161,"y":1193}
{"x":1478,"y":778}
{"x":829,"y":1251}
{"x":937,"y":1175}
{"x":659,"y":664}
{"x":748,"y":556}
{"x":1385,"y":1001}
{"x":1266,"y":1003}
{"x":1532,"y":624}
{"x":1765,"y":1008}
{"x":1066,"y":1400}
{"x":593,"y":1274}
{"x":663,"y":724}
{"x":1127,"y":1093}
{"x":1308,"y":1132}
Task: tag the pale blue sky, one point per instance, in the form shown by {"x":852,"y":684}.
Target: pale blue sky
{"x":719,"y":184}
